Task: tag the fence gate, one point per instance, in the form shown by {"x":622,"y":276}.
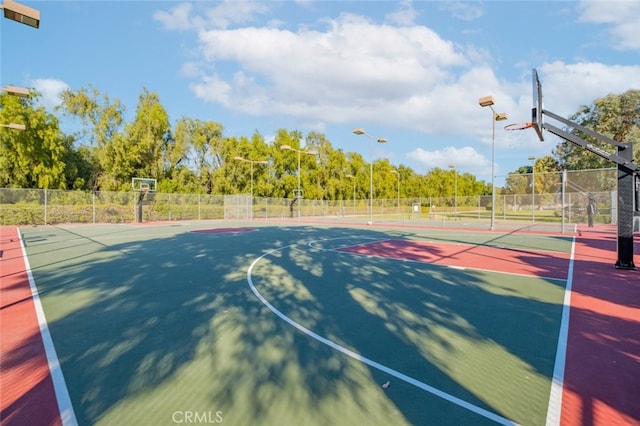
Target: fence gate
{"x":238,"y":207}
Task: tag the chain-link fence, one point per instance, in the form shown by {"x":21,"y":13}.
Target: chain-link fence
{"x":572,"y":197}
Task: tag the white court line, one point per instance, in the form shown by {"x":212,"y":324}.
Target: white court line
{"x":65,"y":407}
{"x":425,"y":387}
{"x":554,"y":410}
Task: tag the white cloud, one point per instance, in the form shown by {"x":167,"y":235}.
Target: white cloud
{"x":405,"y":15}
{"x":466,"y":159}
{"x":465,"y":11}
{"x":179,"y":18}
{"x":222,"y":15}
{"x":354,"y":70}
{"x":623,"y":17}
{"x":568,"y":86}
{"x":50,"y":90}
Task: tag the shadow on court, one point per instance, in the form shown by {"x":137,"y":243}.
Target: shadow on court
{"x":151,"y":328}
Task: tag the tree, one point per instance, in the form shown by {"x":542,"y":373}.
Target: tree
{"x":102,"y":117}
{"x":199,"y":142}
{"x":148,"y":138}
{"x":35,"y":157}
{"x":102,"y":120}
{"x":614,"y":116}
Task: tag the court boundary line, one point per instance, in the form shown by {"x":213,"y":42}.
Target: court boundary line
{"x":554,"y":408}
{"x":371,"y":363}
{"x":63,"y":399}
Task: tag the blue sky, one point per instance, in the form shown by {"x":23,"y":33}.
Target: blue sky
{"x":410,"y":71}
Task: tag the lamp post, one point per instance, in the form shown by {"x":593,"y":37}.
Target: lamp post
{"x":533,"y":187}
{"x":21,"y":13}
{"x":359,"y":131}
{"x":299,"y":151}
{"x":455,"y":189}
{"x":487,"y":101}
{"x":252,"y":162}
{"x":352,"y":177}
{"x":24,"y":15}
{"x":397,"y":173}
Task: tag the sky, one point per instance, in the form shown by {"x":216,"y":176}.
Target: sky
{"x":409,"y":71}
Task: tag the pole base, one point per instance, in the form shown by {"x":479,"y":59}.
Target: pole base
{"x":628,"y":266}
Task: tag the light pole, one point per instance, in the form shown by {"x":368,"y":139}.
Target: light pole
{"x":299,"y":151}
{"x":455,"y":189}
{"x":352,"y":177}
{"x":263,"y":162}
{"x":359,"y":131}
{"x":397,"y":173}
{"x":533,"y":187}
{"x":27,"y":16}
{"x":487,"y":101}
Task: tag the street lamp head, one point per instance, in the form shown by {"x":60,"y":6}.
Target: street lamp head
{"x":500,"y":116}
{"x":21,"y":13}
{"x":486,"y":101}
{"x":285,"y":147}
{"x":264,"y":162}
{"x":238,"y":158}
{"x":452,"y":166}
{"x":359,"y":131}
{"x":14,"y":126}
{"x":312,"y":152}
{"x":395,"y":172}
{"x":381,"y":140}
{"x":23,"y":92}
{"x":350,"y":176}
{"x":531,"y":158}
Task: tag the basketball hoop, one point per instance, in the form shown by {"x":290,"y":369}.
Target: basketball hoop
{"x":519,"y":126}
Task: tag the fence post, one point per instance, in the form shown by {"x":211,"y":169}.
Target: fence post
{"x":93,"y":203}
{"x":198,"y":206}
{"x":504,"y":207}
{"x":45,"y":206}
{"x":562,"y":189}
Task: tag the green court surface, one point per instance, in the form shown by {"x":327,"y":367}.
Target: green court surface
{"x":276,"y":326}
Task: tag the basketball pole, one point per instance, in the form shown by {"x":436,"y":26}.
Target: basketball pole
{"x":623,"y":158}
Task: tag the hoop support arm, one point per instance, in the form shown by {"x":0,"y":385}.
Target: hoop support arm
{"x":629,"y":166}
{"x":583,"y":129}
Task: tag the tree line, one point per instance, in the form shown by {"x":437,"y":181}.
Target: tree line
{"x":195,"y":156}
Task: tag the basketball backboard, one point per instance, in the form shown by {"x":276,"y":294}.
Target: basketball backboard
{"x":144,"y":184}
{"x":536,"y":109}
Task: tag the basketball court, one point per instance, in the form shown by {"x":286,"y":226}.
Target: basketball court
{"x":253,"y":323}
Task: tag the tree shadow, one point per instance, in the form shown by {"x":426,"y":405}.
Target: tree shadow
{"x":407,"y":317}
{"x":151,"y":326}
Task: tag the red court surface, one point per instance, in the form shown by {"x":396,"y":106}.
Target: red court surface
{"x":602,"y":374}
{"x":224,"y":230}
{"x":548,"y":265}
{"x":27,"y":395}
